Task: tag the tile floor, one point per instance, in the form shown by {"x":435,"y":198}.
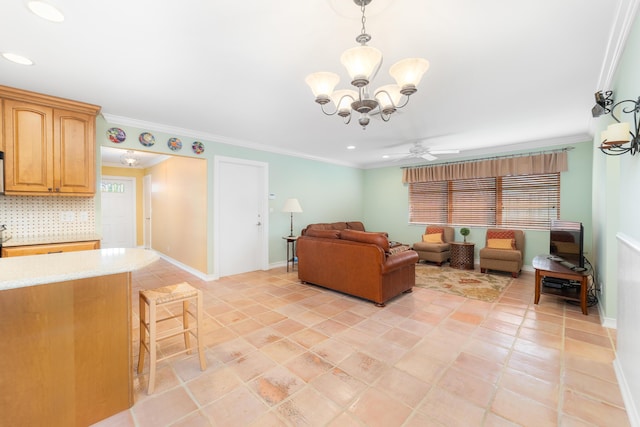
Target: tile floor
{"x":281,"y":353}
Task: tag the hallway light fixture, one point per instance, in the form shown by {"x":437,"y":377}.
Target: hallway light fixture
{"x":130,"y":158}
{"x":620,"y":137}
{"x":291,"y":206}
{"x":363,"y":63}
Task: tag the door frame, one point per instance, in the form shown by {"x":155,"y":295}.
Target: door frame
{"x":134,"y":201}
{"x":264,"y":247}
{"x":146,"y":212}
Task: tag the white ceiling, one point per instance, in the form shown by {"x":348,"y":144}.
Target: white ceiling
{"x":504,"y":74}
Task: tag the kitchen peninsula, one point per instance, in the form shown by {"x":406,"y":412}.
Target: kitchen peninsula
{"x":65,"y":323}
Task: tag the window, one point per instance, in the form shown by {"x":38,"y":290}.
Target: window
{"x":522,"y":201}
{"x":111,"y":187}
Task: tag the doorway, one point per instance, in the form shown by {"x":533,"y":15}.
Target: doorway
{"x":118,"y":201}
{"x":241,"y":219}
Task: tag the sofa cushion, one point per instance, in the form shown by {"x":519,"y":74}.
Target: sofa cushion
{"x":432,"y":238}
{"x":501,"y":243}
{"x":366,"y":237}
{"x":327,"y":234}
{"x":501,"y":254}
{"x":355,"y":225}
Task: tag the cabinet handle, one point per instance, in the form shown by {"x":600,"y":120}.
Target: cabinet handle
{"x":54,"y":252}
{"x":50,"y":189}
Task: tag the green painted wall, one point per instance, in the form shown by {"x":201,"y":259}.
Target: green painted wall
{"x":386,"y":204}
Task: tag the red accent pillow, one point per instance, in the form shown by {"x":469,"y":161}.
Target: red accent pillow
{"x":434,"y":230}
{"x":501,"y":234}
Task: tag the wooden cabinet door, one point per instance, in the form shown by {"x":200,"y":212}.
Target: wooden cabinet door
{"x":74,"y":152}
{"x":28,"y":131}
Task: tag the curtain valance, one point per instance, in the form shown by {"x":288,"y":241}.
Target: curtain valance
{"x":551,"y":162}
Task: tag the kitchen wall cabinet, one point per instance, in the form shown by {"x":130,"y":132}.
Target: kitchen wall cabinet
{"x":49,"y":248}
{"x":49,"y":144}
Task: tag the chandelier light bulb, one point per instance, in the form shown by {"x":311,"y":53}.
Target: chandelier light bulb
{"x":361,"y":62}
{"x":408,"y":73}
{"x":322,"y":84}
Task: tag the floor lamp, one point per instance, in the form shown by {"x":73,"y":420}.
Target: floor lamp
{"x":291,"y":206}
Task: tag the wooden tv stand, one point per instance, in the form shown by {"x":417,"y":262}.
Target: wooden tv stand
{"x":545,"y":267}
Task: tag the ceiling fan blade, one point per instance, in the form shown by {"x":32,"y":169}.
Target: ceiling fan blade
{"x":444,"y":151}
{"x":428,"y":156}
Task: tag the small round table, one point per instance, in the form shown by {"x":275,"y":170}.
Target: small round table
{"x":462,"y":255}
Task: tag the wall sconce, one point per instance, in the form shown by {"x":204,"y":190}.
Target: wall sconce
{"x":603,"y":100}
{"x":619,"y":138}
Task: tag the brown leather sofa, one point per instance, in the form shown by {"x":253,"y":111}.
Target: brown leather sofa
{"x":358,"y":263}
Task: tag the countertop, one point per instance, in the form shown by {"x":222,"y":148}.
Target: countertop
{"x":47,"y":240}
{"x":31,"y":270}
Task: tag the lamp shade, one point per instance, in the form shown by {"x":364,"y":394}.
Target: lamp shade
{"x":361,"y":62}
{"x":618,"y":133}
{"x":408,"y":72}
{"x":291,"y":205}
{"x":322,"y":84}
{"x":343,"y":99}
{"x":388,"y":96}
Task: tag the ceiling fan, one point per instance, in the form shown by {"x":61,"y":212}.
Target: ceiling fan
{"x":418,"y":151}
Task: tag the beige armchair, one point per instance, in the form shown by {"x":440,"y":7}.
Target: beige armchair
{"x":435,"y":249}
{"x":503,"y":251}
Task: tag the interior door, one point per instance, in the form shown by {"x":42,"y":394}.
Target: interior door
{"x":118,"y":200}
{"x":241,"y":219}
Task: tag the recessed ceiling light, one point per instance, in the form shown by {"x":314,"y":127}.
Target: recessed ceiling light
{"x":45,"y":11}
{"x":351,"y":147}
{"x":18,"y":59}
{"x":386,"y":156}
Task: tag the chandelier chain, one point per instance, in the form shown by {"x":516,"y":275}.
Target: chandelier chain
{"x":364,"y":19}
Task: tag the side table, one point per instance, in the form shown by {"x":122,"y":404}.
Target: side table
{"x":462,"y":255}
{"x":545,"y":267}
{"x":291,"y":251}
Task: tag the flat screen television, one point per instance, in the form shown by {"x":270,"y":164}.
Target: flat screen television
{"x":566,"y":242}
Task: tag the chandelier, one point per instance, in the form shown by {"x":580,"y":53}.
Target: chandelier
{"x":362,"y":64}
{"x":130,"y":158}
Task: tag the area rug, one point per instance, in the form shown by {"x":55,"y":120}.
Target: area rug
{"x":465,"y":283}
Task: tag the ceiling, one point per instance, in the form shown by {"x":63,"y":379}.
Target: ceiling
{"x":504,"y":74}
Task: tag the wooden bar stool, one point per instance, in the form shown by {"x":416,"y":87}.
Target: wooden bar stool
{"x":154,"y":298}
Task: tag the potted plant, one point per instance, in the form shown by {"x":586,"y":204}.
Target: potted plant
{"x":465,"y":232}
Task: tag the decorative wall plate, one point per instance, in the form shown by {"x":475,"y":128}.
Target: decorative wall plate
{"x":116,"y":135}
{"x":147,"y":139}
{"x":174,"y":144}
{"x":197,"y":147}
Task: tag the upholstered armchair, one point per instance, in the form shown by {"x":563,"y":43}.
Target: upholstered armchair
{"x":503,"y":251}
{"x":435,"y":245}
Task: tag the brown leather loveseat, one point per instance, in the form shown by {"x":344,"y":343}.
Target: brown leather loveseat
{"x":358,"y":263}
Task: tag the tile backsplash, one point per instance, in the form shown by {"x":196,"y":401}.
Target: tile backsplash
{"x":33,"y":216}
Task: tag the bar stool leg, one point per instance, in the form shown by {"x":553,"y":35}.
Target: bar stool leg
{"x":199,"y":303}
{"x":185,"y":326}
{"x":152,"y":346}
{"x":143,"y":334}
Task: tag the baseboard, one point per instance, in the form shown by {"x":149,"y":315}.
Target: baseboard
{"x":190,"y":270}
{"x":629,"y":404}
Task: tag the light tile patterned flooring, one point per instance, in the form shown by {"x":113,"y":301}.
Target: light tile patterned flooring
{"x":281,"y":353}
